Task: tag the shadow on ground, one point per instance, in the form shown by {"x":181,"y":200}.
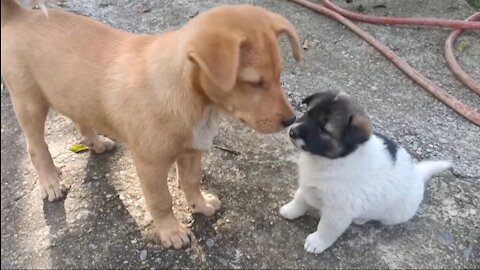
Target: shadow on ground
{"x":103,"y":222}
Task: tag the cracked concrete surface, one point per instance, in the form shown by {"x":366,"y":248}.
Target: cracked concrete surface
{"x":103,"y":223}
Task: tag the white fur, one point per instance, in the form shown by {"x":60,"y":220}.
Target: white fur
{"x":365,"y":185}
{"x":206,"y":130}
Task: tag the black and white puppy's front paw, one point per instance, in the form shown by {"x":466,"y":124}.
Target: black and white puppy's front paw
{"x":315,"y":244}
{"x":291,"y":211}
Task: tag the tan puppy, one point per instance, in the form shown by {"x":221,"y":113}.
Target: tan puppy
{"x":160,"y":95}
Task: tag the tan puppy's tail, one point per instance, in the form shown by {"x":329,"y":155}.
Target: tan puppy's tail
{"x":10,"y":8}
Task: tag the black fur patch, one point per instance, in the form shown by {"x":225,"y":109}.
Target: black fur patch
{"x":392,"y":147}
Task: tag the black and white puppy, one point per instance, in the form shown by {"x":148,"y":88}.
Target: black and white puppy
{"x":350,"y":173}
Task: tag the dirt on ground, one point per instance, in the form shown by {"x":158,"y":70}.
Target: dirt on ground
{"x":103,"y":222}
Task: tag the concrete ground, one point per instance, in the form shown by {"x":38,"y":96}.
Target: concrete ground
{"x":103,"y":223}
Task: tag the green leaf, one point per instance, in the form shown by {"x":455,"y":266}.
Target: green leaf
{"x":78,"y":148}
{"x":462,"y":46}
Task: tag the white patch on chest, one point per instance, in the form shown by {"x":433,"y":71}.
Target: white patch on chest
{"x":206,"y":130}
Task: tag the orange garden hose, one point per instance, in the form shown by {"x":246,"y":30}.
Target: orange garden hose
{"x":330,"y":10}
{"x":458,"y":24}
{"x":452,"y":62}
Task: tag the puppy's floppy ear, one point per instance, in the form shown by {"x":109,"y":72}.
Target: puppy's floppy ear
{"x":320,"y":96}
{"x":283,"y":26}
{"x":217,"y":53}
{"x":358,"y":130}
{"x":309,"y":99}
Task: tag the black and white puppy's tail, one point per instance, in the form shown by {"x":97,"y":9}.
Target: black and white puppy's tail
{"x":428,"y":168}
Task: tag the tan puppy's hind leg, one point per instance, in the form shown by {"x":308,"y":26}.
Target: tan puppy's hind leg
{"x":189,"y":171}
{"x":97,"y":143}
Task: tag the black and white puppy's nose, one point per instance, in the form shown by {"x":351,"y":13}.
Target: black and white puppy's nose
{"x":287,"y":122}
{"x":293,"y":133}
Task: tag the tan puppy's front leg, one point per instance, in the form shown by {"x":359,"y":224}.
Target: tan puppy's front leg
{"x":97,"y":143}
{"x":31,"y":113}
{"x":189,"y":173}
{"x":153,"y":180}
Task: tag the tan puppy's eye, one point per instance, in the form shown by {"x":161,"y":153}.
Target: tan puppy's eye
{"x":252,"y":77}
{"x":258,"y":84}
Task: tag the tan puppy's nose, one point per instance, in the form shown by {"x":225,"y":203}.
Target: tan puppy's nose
{"x":288,"y":121}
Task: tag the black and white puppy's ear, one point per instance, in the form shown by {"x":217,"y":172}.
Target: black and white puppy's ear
{"x":358,"y":130}
{"x":319,"y":97}
{"x":309,"y":99}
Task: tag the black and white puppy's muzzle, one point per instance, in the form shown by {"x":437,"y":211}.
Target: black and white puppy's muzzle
{"x":307,"y":136}
{"x":294,"y":134}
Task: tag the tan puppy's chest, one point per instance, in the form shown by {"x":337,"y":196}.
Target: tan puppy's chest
{"x":206,"y":129}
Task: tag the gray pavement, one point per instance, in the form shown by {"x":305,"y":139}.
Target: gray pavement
{"x":103,"y":222}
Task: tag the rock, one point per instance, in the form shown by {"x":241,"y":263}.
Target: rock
{"x":209,"y":242}
{"x":447,"y":238}
{"x":143,"y":255}
{"x":467,"y":253}
{"x":223,"y":262}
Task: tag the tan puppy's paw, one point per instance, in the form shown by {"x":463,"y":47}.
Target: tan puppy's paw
{"x":51,"y":188}
{"x":207,"y":205}
{"x":173,"y":234}
{"x":213,"y":200}
{"x":99,"y":144}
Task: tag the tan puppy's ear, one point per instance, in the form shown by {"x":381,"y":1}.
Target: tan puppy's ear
{"x":283,"y":26}
{"x":217,"y":53}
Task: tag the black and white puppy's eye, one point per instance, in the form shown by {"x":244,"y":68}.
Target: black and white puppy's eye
{"x":322,"y":124}
{"x":325,"y":130}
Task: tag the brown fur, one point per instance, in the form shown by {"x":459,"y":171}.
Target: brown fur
{"x":150,"y":92}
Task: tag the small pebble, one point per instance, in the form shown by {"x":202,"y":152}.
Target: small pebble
{"x":447,"y":237}
{"x":223,"y":261}
{"x":143,"y":255}
{"x":209,"y":242}
{"x":468,"y":252}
